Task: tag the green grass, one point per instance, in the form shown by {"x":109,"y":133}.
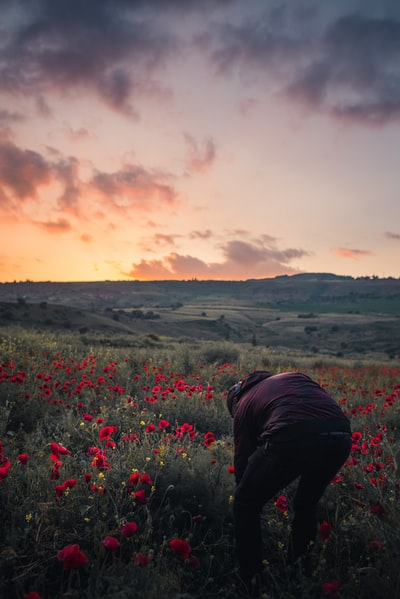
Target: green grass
{"x":378,"y":306}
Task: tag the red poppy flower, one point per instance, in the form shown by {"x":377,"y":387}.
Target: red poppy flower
{"x":72,"y":557}
{"x":106,"y":432}
{"x":150,"y":428}
{"x":137,"y":478}
{"x":378,"y":509}
{"x":55,"y":472}
{"x":163,"y":424}
{"x":376,"y":544}
{"x":141,"y":496}
{"x":181,"y":548}
{"x":231,"y":469}
{"x":134,"y":478}
{"x":325,"y":531}
{"x":4,"y":470}
{"x":58,"y":450}
{"x":70,"y":483}
{"x":281,"y":503}
{"x":111,"y":543}
{"x":141,"y":559}
{"x":331,"y":589}
{"x":209,"y":439}
{"x":359,"y":485}
{"x":129,"y":529}
{"x":145,"y":479}
{"x":23,"y":458}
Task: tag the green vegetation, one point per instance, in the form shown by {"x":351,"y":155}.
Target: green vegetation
{"x":361,"y":306}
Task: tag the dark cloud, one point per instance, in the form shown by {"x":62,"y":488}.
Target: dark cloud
{"x":358,"y":73}
{"x":116,"y":89}
{"x":342,"y":58}
{"x":109,"y":47}
{"x":72,"y":43}
{"x":349,"y":66}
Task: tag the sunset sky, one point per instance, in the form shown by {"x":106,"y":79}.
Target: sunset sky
{"x":208,"y":139}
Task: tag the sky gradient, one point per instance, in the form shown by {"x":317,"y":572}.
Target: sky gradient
{"x":208,"y":139}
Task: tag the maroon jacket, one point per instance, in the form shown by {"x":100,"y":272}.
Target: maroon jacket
{"x":282,"y":407}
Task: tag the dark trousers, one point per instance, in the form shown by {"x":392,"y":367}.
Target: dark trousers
{"x":315,"y":460}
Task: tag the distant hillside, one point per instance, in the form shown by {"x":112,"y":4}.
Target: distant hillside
{"x":321,"y":313}
{"x":323,"y":289}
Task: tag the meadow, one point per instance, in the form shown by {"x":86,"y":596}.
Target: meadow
{"x":116,"y":472}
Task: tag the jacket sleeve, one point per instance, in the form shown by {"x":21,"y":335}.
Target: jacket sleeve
{"x":245,"y":445}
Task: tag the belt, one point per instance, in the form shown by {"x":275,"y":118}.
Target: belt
{"x":335,"y":434}
{"x":268,"y":442}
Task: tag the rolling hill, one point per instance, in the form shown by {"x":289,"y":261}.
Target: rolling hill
{"x":322,"y":313}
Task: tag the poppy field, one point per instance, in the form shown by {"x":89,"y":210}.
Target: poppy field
{"x":117,"y":478}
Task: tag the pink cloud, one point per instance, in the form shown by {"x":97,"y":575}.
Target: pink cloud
{"x":351,"y":254}
{"x":241,"y":260}
{"x":134,"y":185}
{"x":59,"y":226}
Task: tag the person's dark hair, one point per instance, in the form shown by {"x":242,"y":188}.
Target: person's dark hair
{"x":233,"y":394}
{"x":237,"y":390}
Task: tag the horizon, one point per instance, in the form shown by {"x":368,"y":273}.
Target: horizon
{"x":191,"y":280}
{"x":221,"y":140}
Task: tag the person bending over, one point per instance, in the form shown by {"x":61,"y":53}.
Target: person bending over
{"x":285,"y":426}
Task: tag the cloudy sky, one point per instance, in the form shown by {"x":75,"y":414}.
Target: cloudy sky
{"x":208,"y":139}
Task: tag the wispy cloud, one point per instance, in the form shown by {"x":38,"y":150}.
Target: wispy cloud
{"x":59,"y":226}
{"x":206,"y":234}
{"x":134,"y":186}
{"x":352,"y":254}
{"x":391,"y":235}
{"x":200,"y":156}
